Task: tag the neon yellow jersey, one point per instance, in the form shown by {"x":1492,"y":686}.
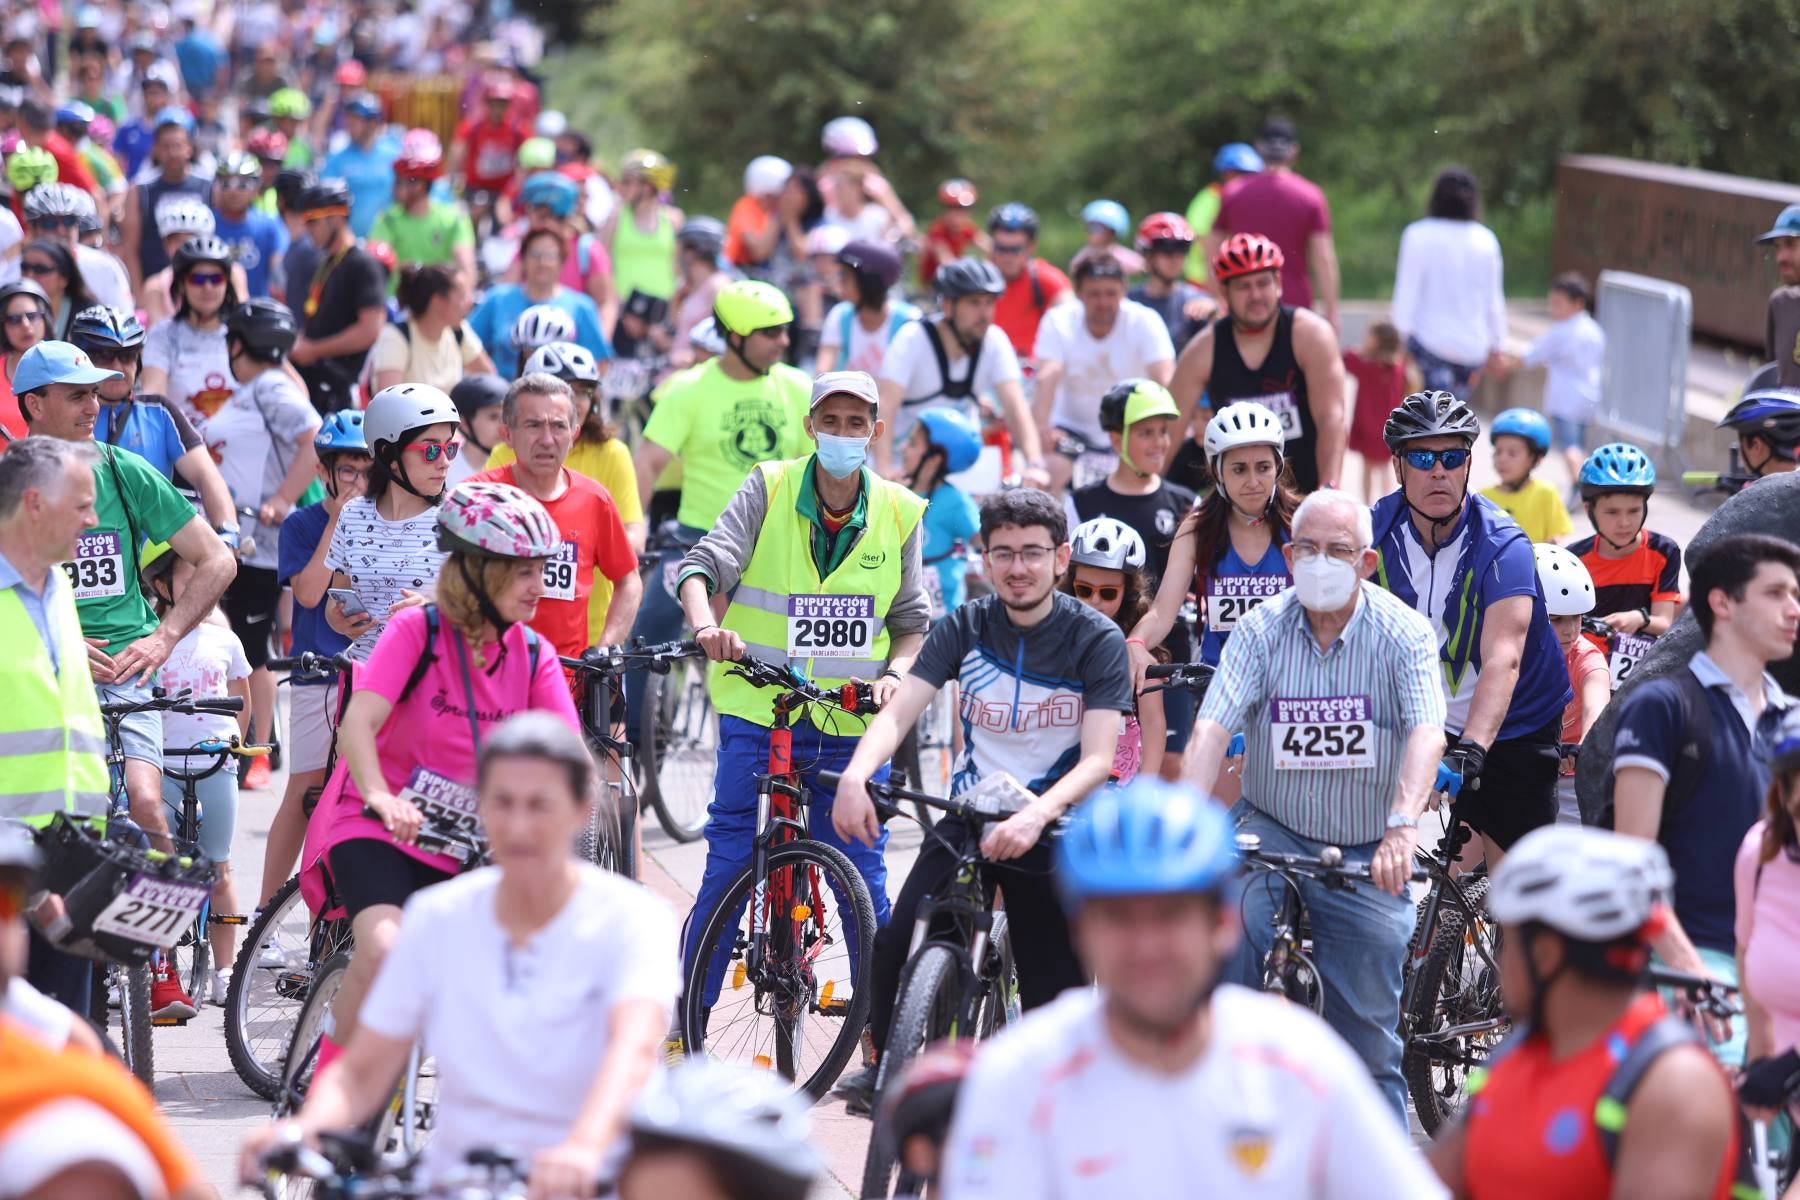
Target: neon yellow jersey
{"x":721,"y":428}
{"x":1202,"y":211}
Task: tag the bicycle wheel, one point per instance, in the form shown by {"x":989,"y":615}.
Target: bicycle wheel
{"x":1456,"y":988}
{"x":610,"y":839}
{"x":130,"y":1032}
{"x":313,"y":1023}
{"x":997,"y":994}
{"x":924,"y":1011}
{"x":276,"y":963}
{"x":679,"y":742}
{"x":790,"y":1010}
{"x":192,"y":956}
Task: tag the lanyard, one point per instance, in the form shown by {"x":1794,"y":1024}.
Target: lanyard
{"x":462,"y":660}
{"x":320,"y":274}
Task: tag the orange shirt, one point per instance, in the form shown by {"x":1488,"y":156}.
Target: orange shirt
{"x":1583,"y":659}
{"x":748,"y":216}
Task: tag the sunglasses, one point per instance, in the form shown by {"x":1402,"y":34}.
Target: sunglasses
{"x":62,"y":222}
{"x":25,"y":318}
{"x":240,"y":183}
{"x":38,"y":268}
{"x":435,"y":450}
{"x":111,"y":356}
{"x":1106,"y":594}
{"x":206,"y":278}
{"x":1424,"y":460}
{"x":1011,"y":247}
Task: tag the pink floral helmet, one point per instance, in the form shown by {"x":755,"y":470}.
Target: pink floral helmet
{"x":495,"y":520}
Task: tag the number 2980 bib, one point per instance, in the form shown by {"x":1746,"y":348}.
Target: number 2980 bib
{"x":830,"y":626}
{"x":1325,"y":733}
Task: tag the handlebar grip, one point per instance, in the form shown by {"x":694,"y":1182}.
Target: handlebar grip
{"x":1700,"y":478}
{"x":1163,"y":670}
{"x":1448,"y":781}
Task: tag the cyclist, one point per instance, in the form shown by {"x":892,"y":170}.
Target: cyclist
{"x":440,"y":678}
{"x":1165,"y":239}
{"x":1164,"y":1080}
{"x":484,"y":151}
{"x":640,"y":231}
{"x":175,"y":175}
{"x":713,"y":1131}
{"x":859,"y":329}
{"x":1335,"y":685}
{"x":1636,"y":571}
{"x":54,"y":211}
{"x":1468,"y":568}
{"x":345,"y":302}
{"x":365,"y":161}
{"x":1107,"y":223}
{"x":1782,"y":336}
{"x":1044,"y":681}
{"x":187,"y":223}
{"x":1082,"y":350}
{"x":1568,"y":597}
{"x":1767,"y":425}
{"x":1033,"y":286}
{"x":431,"y":343}
{"x":943,"y":443}
{"x":1106,"y":573}
{"x":954,"y":232}
{"x":1233,"y":161}
{"x":477,"y":398}
{"x":420,"y":229}
{"x":1600,"y":1092}
{"x":257,"y":239}
{"x":184,"y":353}
{"x":541,"y":253}
{"x":1290,"y":210}
{"x":701,"y":280}
{"x":1283,"y":356}
{"x":542,"y":984}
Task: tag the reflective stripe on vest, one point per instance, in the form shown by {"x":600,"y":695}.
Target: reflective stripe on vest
{"x":47,"y":769}
{"x":781,"y":565}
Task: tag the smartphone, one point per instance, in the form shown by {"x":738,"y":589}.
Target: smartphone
{"x":351,"y":603}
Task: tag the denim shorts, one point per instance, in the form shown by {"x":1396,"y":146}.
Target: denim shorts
{"x":217,"y":798}
{"x":141,"y":732}
{"x":1566,"y":434}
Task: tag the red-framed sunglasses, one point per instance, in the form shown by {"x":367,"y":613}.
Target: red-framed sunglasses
{"x":435,"y":450}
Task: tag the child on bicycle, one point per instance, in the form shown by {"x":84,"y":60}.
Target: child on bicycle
{"x":1106,"y":573}
{"x":1569,"y":596}
{"x":943,"y":442}
{"x":209,"y":661}
{"x":1636,"y":571}
{"x":1521,"y":439}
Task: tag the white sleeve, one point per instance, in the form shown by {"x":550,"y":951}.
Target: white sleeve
{"x":831,"y":333}
{"x":1368,"y":1155}
{"x":398,"y":999}
{"x":1153,"y":338}
{"x":1406,"y":283}
{"x":646,"y":965}
{"x":999,"y":362}
{"x":1049,"y":345}
{"x":991,"y":1152}
{"x":239,"y":667}
{"x":897,"y":363}
{"x":1497,"y":298}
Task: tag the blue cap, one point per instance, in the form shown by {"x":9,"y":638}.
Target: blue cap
{"x":364,"y":105}
{"x":174,"y":114}
{"x":56,"y":362}
{"x":1237,"y":156}
{"x":1786,"y":225}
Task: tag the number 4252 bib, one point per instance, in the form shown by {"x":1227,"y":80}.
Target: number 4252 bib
{"x":830,"y":626}
{"x":1325,"y":733}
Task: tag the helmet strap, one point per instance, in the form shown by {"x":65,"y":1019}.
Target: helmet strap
{"x":1762,"y":468}
{"x":1462,"y":506}
{"x":485,"y":603}
{"x":737,"y":348}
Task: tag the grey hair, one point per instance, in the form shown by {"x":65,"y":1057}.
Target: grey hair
{"x":35,"y":464}
{"x":538,"y":383}
{"x":1332,"y":498}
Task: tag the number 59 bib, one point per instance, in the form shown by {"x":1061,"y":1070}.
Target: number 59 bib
{"x":1327,"y":733}
{"x":559,"y":573}
{"x":830,"y":626}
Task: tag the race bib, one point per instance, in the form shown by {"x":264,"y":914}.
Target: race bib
{"x":493,"y":161}
{"x":559,"y":573}
{"x":1286,"y":408}
{"x":152,"y":911}
{"x":98,"y":569}
{"x":448,"y":806}
{"x":1329,"y":733}
{"x":830,"y":626}
{"x":1628,"y":649}
{"x":1230,"y":597}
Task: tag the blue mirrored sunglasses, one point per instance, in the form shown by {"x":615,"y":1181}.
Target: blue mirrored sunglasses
{"x":1424,"y":460}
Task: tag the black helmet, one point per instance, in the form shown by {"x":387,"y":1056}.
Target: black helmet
{"x":872,"y":258}
{"x":265,"y":327}
{"x":968,"y":277}
{"x":473,"y":393}
{"x":103,"y":326}
{"x":291,"y":184}
{"x":325,"y":193}
{"x":702,"y":235}
{"x":197,"y":250}
{"x":1013,"y":217}
{"x":1429,"y":414}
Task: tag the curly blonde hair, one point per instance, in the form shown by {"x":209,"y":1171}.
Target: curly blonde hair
{"x":456,"y":600}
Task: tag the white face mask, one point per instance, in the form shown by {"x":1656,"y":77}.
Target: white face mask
{"x":1324,"y":584}
{"x":842,"y":456}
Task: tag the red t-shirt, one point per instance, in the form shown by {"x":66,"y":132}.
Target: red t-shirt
{"x":1379,"y":389}
{"x":958,"y":238}
{"x":1019,"y":310}
{"x":1287,"y":210}
{"x":748,"y":217}
{"x":593,"y":540}
{"x":491,"y":152}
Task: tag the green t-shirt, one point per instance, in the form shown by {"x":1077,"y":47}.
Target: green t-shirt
{"x":104,"y":571}
{"x":432,"y":238}
{"x":720,"y":428}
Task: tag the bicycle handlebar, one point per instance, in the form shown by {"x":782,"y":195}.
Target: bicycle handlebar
{"x":184,"y":702}
{"x":616,"y":660}
{"x":1327,"y":864}
{"x":1194,"y":677}
{"x":885,"y":797}
{"x":313,"y":666}
{"x":856,"y":697}
{"x":1703,"y":991}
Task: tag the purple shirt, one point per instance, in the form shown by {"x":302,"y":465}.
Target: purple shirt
{"x":1287,"y":210}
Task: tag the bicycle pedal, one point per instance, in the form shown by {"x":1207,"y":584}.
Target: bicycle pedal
{"x":833,"y":1006}
{"x":167,"y":1022}
{"x":228,"y":919}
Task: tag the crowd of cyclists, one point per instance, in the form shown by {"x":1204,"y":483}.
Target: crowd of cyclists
{"x":409,"y":419}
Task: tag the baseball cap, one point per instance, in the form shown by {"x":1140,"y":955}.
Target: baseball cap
{"x":364,"y":105}
{"x":859,"y":384}
{"x":1786,"y":225}
{"x":56,"y":362}
{"x":64,"y":1133}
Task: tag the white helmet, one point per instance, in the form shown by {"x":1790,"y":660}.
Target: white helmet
{"x":705,"y":336}
{"x":827,"y":240}
{"x":542,"y":324}
{"x":568,"y":361}
{"x":1105,"y":542}
{"x":184,"y":214}
{"x":1568,"y":588}
{"x":766,"y":175}
{"x":1591,"y":885}
{"x":550,"y":124}
{"x":405,"y":406}
{"x":848,"y":137}
{"x":1245,"y":423}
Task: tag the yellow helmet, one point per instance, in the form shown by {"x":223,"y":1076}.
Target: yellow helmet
{"x":651,"y":165}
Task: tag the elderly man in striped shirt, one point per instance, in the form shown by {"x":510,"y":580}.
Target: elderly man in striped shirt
{"x":1334,"y":683}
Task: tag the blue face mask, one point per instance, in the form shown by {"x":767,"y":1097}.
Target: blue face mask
{"x":842,"y":456}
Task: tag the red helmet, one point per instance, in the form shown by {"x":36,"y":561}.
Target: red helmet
{"x":1246,"y":254}
{"x":267,"y":143}
{"x":351,"y":74}
{"x":383,"y":253}
{"x":420,"y":162}
{"x":957,"y":193}
{"x":1164,"y":227}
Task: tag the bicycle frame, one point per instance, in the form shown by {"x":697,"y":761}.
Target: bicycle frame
{"x":1437,"y":867}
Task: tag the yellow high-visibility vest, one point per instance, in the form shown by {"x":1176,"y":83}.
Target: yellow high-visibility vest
{"x":52,"y":741}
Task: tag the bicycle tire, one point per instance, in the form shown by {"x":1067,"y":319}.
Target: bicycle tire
{"x":681,"y":742}
{"x":851,"y":895}
{"x":924,"y":1012}
{"x":609,"y":841}
{"x":997,"y":997}
{"x":133,"y":1044}
{"x":197,"y":952}
{"x":314,"y":1021}
{"x":262,"y":1003}
{"x":1446,"y":994}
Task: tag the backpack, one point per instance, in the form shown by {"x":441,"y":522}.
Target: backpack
{"x":1690,"y":758}
{"x":900,"y":316}
{"x":948,"y":389}
{"x":428,"y":655}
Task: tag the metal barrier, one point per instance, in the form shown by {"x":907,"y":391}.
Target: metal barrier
{"x":1643,"y":388}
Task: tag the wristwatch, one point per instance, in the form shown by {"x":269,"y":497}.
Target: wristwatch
{"x":227,"y":534}
{"x":1397,"y":820}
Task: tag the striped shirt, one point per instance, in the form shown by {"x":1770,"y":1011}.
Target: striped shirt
{"x":1325,"y":729}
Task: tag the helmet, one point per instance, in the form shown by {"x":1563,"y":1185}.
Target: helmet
{"x":1563,"y":578}
{"x":1772,"y":414}
{"x":1245,"y":423}
{"x":101,"y":129}
{"x":238,"y":164}
{"x":1147,"y":838}
{"x":955,"y":433}
{"x":922,"y":1099}
{"x":174,"y":114}
{"x":473,"y":393}
{"x":383,"y":253}
{"x":1524,"y":423}
{"x":744,"y":306}
{"x":56,"y":200}
{"x":351,"y":74}
{"x":420,"y":140}
{"x":330,"y":192}
{"x":420,"y":158}
{"x":184,"y":214}
{"x":1129,"y":402}
{"x":550,"y":124}
{"x":103,"y":326}
{"x":341,"y":432}
{"x":1784,"y":753}
{"x":1164,"y":227}
{"x":568,"y":361}
{"x":766,"y":175}
{"x":290,"y":102}
{"x":394,"y":410}
{"x":29,"y":166}
{"x":871,"y":258}
{"x":1109,"y":213}
{"x":537,"y":154}
{"x":848,"y":137}
{"x":495,"y":520}
{"x":291,"y":185}
{"x":552,"y":189}
{"x":1014,"y":217}
{"x":1617,"y":467}
{"x":74,"y":113}
{"x":749,"y":1118}
{"x":363,"y":105}
{"x":24,"y":287}
{"x":1106,"y":542}
{"x":1590,"y":885}
{"x":957,"y":193}
{"x":263,"y":325}
{"x":825,"y":241}
{"x":196,"y":250}
{"x":1246,"y":254}
{"x":542,"y":324}
{"x":705,"y":236}
{"x":968,"y":277}
{"x":649,"y":165}
{"x":1237,"y":156}
{"x":1429,"y":414}
{"x":705,"y":336}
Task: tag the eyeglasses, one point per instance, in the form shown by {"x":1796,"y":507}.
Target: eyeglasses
{"x":111,"y":356}
{"x":1424,"y":460}
{"x":206,"y":278}
{"x":62,"y":222}
{"x":1106,"y":594}
{"x":25,"y":318}
{"x":1011,"y":247}
{"x":544,"y":256}
{"x":435,"y":450}
{"x":38,"y":268}
{"x":351,"y":474}
{"x":1031,"y":556}
{"x":1306,"y":551}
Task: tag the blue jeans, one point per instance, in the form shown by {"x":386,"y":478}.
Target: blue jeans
{"x":731,"y":824}
{"x":1359,"y":943}
{"x":659,"y":619}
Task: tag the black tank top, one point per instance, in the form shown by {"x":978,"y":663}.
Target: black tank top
{"x":1278,"y":384}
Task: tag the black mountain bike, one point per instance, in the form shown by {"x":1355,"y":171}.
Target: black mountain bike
{"x":192,"y":955}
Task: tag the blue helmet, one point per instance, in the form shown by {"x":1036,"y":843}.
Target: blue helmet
{"x":1617,"y":467}
{"x":953,"y":432}
{"x":552,"y":189}
{"x":1534,"y":427}
{"x":342,"y":432}
{"x":103,"y":326}
{"x":1109,"y":213}
{"x":1014,"y":218}
{"x":1148,"y":838}
{"x":1237,"y":156}
{"x":1772,"y":414}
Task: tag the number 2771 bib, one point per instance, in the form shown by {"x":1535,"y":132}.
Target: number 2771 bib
{"x":830,"y":626}
{"x":1326,"y":733}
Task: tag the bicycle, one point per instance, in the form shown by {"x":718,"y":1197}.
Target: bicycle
{"x":1623,"y":650}
{"x":793,"y":961}
{"x":960,"y":979}
{"x":343,"y":1169}
{"x":678,"y":733}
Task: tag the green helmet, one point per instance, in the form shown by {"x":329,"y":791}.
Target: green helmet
{"x":290,"y":102}
{"x":747,"y":305}
{"x":28,"y":166}
{"x":537,"y":154}
{"x":1132,"y":401}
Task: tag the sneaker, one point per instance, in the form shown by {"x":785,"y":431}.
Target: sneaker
{"x":217,"y":984}
{"x":274,"y":956}
{"x":857,"y":1091}
{"x":259,"y":774}
{"x":167,"y":1000}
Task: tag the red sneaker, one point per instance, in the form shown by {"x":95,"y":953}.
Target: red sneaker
{"x":167,"y":999}
{"x":258,"y":776}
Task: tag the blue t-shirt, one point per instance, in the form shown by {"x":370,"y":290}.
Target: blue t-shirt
{"x":493,"y":321}
{"x":300,"y":534}
{"x":146,"y":430}
{"x":132,"y":144}
{"x":1235,"y":587}
{"x":370,"y":176}
{"x":950,"y":517}
{"x":258,"y":241}
{"x":200,"y":58}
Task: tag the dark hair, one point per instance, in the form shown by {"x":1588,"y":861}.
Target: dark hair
{"x":1618,"y":962}
{"x":382,"y":471}
{"x":871,"y":291}
{"x":1778,"y":823}
{"x":1728,"y":565}
{"x":1387,"y":341}
{"x":1132,"y":605}
{"x":584,"y":145}
{"x":1211,"y":518}
{"x":35,"y":114}
{"x":421,"y":283}
{"x":1574,"y":285}
{"x":814,"y":212}
{"x":75,"y":291}
{"x":6,"y":346}
{"x":178,"y":285}
{"x":1098,"y":266}
{"x":1455,"y":196}
{"x":731,"y":1174}
{"x":562,"y":247}
{"x":1024,"y":507}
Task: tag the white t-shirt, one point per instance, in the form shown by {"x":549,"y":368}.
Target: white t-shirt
{"x":441,"y":364}
{"x":199,"y":372}
{"x":254,"y":438}
{"x":910,"y":362}
{"x":383,"y":558}
{"x":866,"y":350}
{"x":1277,"y":1107}
{"x":39,"y":1015}
{"x":1572,"y":352}
{"x":205,"y":660}
{"x":1448,"y":290}
{"x":1091,"y":366}
{"x":518,"y":1031}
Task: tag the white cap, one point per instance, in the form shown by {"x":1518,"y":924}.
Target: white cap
{"x":66,"y":1133}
